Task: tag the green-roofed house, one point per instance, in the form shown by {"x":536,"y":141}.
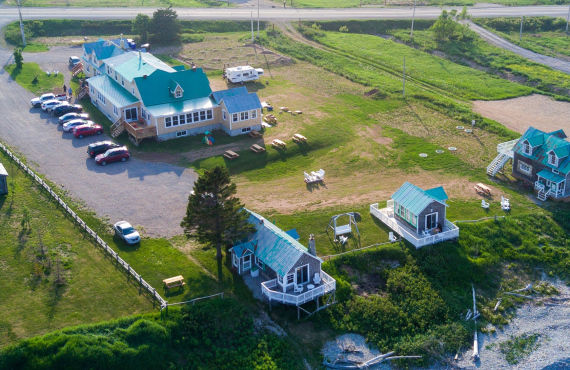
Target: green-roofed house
{"x":542,"y":160}
{"x":417,"y":215}
{"x":282,"y":267}
{"x":149,"y":99}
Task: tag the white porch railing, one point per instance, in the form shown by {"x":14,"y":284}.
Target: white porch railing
{"x":328,"y":285}
{"x":507,"y":147}
{"x":386,"y":215}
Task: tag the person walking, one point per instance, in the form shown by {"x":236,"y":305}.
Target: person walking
{"x":64,"y":89}
{"x":70,"y":93}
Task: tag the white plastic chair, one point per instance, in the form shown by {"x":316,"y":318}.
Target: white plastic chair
{"x":317,"y":278}
{"x":484,"y":204}
{"x":298,"y":289}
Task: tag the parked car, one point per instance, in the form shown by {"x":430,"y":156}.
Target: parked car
{"x":38,"y":101}
{"x":50,"y":104}
{"x":113,"y":155}
{"x":68,"y":127}
{"x":71,"y":116}
{"x":73,"y":60}
{"x":67,"y":108}
{"x":87,"y":130}
{"x":99,"y":147}
{"x":127,"y":232}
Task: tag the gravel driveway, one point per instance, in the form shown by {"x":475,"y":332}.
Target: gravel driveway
{"x":148,"y":194}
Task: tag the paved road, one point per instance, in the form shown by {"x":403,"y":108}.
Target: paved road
{"x":270,"y":13}
{"x":153,"y":195}
{"x":492,"y":38}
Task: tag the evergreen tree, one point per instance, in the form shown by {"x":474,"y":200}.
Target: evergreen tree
{"x":141,"y":26}
{"x":18,"y":58}
{"x":214,"y":215}
{"x":165,"y":25}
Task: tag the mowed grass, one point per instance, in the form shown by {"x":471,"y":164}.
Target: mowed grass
{"x":117,"y":3}
{"x":25,"y":76}
{"x":554,"y":44}
{"x":357,"y":3}
{"x":32,"y":303}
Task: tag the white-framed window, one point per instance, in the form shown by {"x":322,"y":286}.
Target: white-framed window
{"x":552,"y":158}
{"x":414,"y":220}
{"x":131,"y":114}
{"x":527,"y":149}
{"x":302,"y":274}
{"x":115,"y":111}
{"x":122,"y":81}
{"x":92,"y":90}
{"x":525,"y":168}
{"x":174,"y":120}
{"x":253,"y":114}
{"x":235,"y":117}
{"x":167,"y":121}
{"x":116,"y":76}
{"x":196,"y":116}
{"x":555,"y":171}
{"x":244,"y":116}
{"x":189,"y":118}
{"x":181,"y":133}
{"x":101,"y":97}
{"x":224,"y":115}
{"x":209,"y":114}
{"x":431,"y":221}
{"x":202,"y":115}
{"x":182,"y":119}
{"x":178,"y":93}
{"x":246,"y":129}
{"x":290,"y":279}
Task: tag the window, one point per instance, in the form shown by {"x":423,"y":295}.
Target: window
{"x":178,"y":92}
{"x":209,"y":114}
{"x":196,"y":116}
{"x":189,"y":118}
{"x":182,"y":119}
{"x":92,"y":90}
{"x":202,"y":115}
{"x":116,"y":76}
{"x":181,"y":133}
{"x":246,"y":129}
{"x":224,"y":115}
{"x":100,"y":97}
{"x":234,"y":117}
{"x":115,"y":111}
{"x":555,"y":171}
{"x":527,"y":149}
{"x":414,"y":220}
{"x":174,"y":120}
{"x":88,"y":68}
{"x":552,"y":159}
{"x":131,"y":114}
{"x":122,"y":81}
{"x":431,"y":221}
{"x":303,"y":274}
{"x":244,"y":115}
{"x":167,"y":122}
{"x":290,"y":278}
{"x":525,"y":168}
{"x":253,"y":114}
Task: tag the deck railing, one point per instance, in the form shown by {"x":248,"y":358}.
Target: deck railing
{"x":140,"y":132}
{"x":386,"y":216}
{"x":507,"y":147}
{"x":328,"y":285}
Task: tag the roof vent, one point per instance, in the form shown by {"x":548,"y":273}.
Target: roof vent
{"x":145,"y":76}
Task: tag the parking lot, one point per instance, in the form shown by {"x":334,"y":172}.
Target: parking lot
{"x":151,"y":195}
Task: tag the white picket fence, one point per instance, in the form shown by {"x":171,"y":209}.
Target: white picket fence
{"x":89,"y":231}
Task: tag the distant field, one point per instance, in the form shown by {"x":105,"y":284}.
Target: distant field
{"x":357,"y":3}
{"x":118,"y":3}
{"x":32,"y":303}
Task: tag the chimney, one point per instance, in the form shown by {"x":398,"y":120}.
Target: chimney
{"x":122,"y":42}
{"x":312,"y":246}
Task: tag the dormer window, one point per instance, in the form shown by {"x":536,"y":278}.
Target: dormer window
{"x":178,"y":93}
{"x":552,"y":158}
{"x":527,"y":149}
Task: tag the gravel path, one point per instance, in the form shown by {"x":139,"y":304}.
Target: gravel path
{"x":490,"y":37}
{"x":147,"y":194}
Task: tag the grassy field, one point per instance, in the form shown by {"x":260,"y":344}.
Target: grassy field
{"x":119,"y":3}
{"x":33,"y":78}
{"x":358,"y":3}
{"x":32,"y":303}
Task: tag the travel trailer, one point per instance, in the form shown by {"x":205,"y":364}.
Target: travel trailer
{"x":243,"y":74}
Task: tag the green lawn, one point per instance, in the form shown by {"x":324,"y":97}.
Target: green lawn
{"x":29,"y":72}
{"x":119,"y":3}
{"x":32,"y":303}
{"x":35,"y":48}
{"x":357,"y":3}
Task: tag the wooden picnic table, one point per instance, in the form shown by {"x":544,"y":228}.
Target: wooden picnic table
{"x":257,"y":148}
{"x":230,"y":154}
{"x":482,"y":189}
{"x":278,"y":144}
{"x":176,"y":281}
{"x":298,"y":138}
{"x":254,"y":133}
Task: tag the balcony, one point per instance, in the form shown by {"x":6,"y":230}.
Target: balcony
{"x":140,"y":130}
{"x":386,"y":215}
{"x":272,"y":291}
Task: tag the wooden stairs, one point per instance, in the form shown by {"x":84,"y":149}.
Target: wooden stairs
{"x":77,"y":69}
{"x":117,"y":128}
{"x":498,"y":163}
{"x":83,"y":92}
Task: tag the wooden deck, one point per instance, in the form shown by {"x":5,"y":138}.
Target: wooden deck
{"x":138,"y":131}
{"x":270,"y":289}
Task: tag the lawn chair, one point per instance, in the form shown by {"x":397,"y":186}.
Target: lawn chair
{"x":317,"y":278}
{"x":298,"y":289}
{"x":484,"y":204}
{"x":505,"y":204}
{"x":392,"y":237}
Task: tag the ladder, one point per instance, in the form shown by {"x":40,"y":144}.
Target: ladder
{"x":117,"y":128}
{"x":498,"y":163}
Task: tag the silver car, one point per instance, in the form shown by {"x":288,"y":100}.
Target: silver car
{"x":68,"y":126}
{"x":127,"y":232}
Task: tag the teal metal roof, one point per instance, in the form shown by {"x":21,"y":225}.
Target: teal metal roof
{"x":112,"y":91}
{"x":103,"y":49}
{"x":154,"y":89}
{"x":550,"y":176}
{"x":554,"y":141}
{"x":237,"y":99}
{"x":415,"y":199}
{"x":181,"y":106}
{"x":242,"y":248}
{"x":134,"y":64}
{"x":273,"y":246}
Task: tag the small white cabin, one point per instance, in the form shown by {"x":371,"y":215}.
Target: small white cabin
{"x":243,"y":74}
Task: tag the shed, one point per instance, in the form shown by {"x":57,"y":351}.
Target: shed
{"x":3,"y":180}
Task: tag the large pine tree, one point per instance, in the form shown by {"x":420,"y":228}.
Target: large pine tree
{"x":214,"y":215}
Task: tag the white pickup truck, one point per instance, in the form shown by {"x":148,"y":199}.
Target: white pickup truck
{"x":37,"y":102}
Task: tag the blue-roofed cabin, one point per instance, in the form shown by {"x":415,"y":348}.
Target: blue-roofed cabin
{"x":418,"y":215}
{"x":285,"y":269}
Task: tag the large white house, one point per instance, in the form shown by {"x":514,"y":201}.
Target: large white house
{"x":149,"y":99}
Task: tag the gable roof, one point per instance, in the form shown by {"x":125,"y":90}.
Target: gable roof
{"x":273,"y":246}
{"x":543,"y":143}
{"x":237,"y":99}
{"x":103,"y":49}
{"x":134,"y":64}
{"x":113,"y":92}
{"x":415,"y":199}
{"x":154,"y":89}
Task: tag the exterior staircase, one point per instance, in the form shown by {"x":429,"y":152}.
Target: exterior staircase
{"x":77,"y":69}
{"x":117,"y":128}
{"x":498,"y":163}
{"x":82,"y":93}
{"x":542,"y":195}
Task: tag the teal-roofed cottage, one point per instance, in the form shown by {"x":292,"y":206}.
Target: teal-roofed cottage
{"x":149,"y":99}
{"x":542,"y":160}
{"x":418,"y":215}
{"x":285,"y":270}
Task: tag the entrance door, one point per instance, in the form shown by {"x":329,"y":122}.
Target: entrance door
{"x":431,"y":221}
{"x":303,"y":274}
{"x":131,"y":114}
{"x":247,"y":262}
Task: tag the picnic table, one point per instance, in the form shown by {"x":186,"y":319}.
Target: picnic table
{"x":230,"y":154}
{"x":257,"y":148}
{"x":482,"y":189}
{"x":298,"y":138}
{"x":276,"y":143}
{"x":176,"y":281}
{"x":254,"y":133}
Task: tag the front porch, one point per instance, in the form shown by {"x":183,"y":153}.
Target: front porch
{"x":386,"y":215}
{"x":139,"y":130}
{"x":549,"y":184}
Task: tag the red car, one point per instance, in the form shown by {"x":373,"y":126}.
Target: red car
{"x":87,"y":130}
{"x":113,"y":155}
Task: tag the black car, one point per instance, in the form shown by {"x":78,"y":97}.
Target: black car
{"x":64,"y":109}
{"x":100,"y":147}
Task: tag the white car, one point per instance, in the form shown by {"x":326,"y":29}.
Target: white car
{"x":71,"y":116}
{"x":50,"y":104}
{"x":127,"y":232}
{"x":37,"y":102}
{"x":68,"y":126}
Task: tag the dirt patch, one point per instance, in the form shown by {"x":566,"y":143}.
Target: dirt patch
{"x":535,"y":110}
{"x":375,"y":133}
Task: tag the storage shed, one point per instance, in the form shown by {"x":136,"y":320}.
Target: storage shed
{"x":3,"y":180}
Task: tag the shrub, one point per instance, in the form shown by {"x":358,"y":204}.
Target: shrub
{"x":191,"y":38}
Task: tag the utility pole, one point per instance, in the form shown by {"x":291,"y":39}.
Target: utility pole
{"x":21,"y":24}
{"x":258,"y":19}
{"x":404,"y":80}
{"x":251,"y":27}
{"x":520,"y":33}
{"x":413,"y":16}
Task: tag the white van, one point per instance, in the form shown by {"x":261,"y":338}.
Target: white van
{"x":243,"y":74}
